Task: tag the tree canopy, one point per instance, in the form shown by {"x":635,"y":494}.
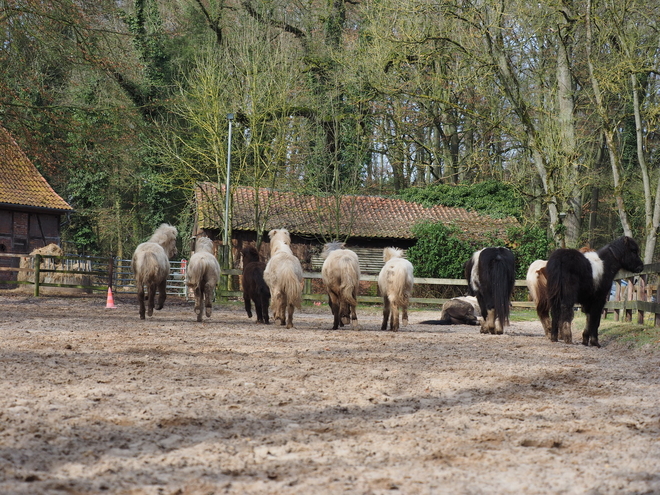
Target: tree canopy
{"x":550,"y":109}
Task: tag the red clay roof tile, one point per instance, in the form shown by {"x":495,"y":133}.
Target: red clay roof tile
{"x":21,"y":184}
{"x":361,"y":216}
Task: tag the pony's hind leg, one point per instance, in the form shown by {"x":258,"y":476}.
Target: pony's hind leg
{"x":162,"y":294}
{"x":150,"y":299}
{"x":488,"y":323}
{"x":262,"y":309}
{"x":395,"y":318}
{"x":208,"y":299}
{"x":248,"y":305}
{"x":404,"y":316}
{"x":289,"y":316}
{"x":140,"y":296}
{"x":566,"y":320}
{"x":354,"y":322}
{"x":386,"y":313}
{"x":199,"y":295}
{"x":590,"y":334}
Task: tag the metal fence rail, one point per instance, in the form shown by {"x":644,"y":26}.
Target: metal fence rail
{"x":87,"y":273}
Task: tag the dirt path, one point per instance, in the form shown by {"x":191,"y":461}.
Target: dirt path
{"x":96,"y":401}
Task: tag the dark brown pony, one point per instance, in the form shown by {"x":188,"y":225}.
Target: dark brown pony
{"x":254,"y":287}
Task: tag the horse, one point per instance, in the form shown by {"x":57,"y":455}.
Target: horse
{"x":284,"y":276}
{"x":581,"y":278}
{"x":255,"y":287}
{"x":395,"y":282}
{"x":463,"y":310}
{"x":202,"y":275}
{"x":341,"y":277}
{"x":537,"y":284}
{"x":490,"y":274}
{"x":151,"y":267}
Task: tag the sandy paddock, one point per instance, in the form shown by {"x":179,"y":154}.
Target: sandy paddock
{"x":96,"y":401}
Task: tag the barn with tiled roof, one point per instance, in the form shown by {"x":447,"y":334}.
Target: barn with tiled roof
{"x":30,"y":210}
{"x":369,"y":223}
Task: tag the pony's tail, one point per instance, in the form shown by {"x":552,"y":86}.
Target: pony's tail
{"x":503,"y":282}
{"x":542,"y":298}
{"x":293,"y":290}
{"x":350,"y":280}
{"x":554,"y":286}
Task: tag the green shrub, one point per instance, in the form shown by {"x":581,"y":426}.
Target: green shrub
{"x":441,"y":253}
{"x":490,"y":197}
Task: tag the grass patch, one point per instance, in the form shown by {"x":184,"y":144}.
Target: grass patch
{"x":633,"y":335}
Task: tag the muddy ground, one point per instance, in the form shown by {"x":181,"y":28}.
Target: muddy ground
{"x":93,"y":400}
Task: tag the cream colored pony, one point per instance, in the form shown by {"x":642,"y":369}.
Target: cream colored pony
{"x":395,"y":283}
{"x":284,"y":276}
{"x":151,"y":267}
{"x":202,"y":275}
{"x":341,"y":277}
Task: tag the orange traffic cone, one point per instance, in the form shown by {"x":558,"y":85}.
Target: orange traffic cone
{"x":111,"y":300}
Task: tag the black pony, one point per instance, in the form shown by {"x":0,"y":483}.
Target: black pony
{"x":490,"y":274}
{"x":254,"y":287}
{"x":586,"y":279}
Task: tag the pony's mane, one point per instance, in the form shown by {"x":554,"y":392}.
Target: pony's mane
{"x":165,"y":236}
{"x":392,"y":252}
{"x":331,"y":246}
{"x":250,"y":254}
{"x":280,"y":240}
{"x":204,"y":244}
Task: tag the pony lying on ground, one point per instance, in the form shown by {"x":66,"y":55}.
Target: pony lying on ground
{"x":462,"y":310}
{"x":395,"y":283}
{"x":537,"y":284}
{"x":151,"y":267}
{"x":255,"y":287}
{"x":284,"y":276}
{"x":341,"y":277}
{"x":202,"y":275}
{"x":586,"y":279}
{"x":490,"y":275}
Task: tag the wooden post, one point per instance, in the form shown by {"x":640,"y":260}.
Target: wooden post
{"x":111,"y":266}
{"x":628,"y":298}
{"x":641,"y":296}
{"x":37,"y":274}
{"x":617,"y":297}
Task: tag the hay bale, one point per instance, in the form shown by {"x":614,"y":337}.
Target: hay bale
{"x":55,"y":278}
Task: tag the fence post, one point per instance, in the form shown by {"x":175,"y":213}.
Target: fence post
{"x":37,"y":273}
{"x":629,"y":297}
{"x":641,"y":296}
{"x":617,"y":297}
{"x":111,"y":267}
{"x":224,"y":251}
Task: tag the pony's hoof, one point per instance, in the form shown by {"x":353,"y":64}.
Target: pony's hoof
{"x":199,"y":317}
{"x":208,"y":312}
{"x":142,"y":317}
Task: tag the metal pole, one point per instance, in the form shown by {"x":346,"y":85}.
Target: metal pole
{"x":225,"y":240}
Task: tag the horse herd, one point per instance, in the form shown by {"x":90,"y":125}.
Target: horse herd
{"x":568,"y":277}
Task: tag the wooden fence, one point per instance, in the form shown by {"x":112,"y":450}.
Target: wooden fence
{"x":635,"y":298}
